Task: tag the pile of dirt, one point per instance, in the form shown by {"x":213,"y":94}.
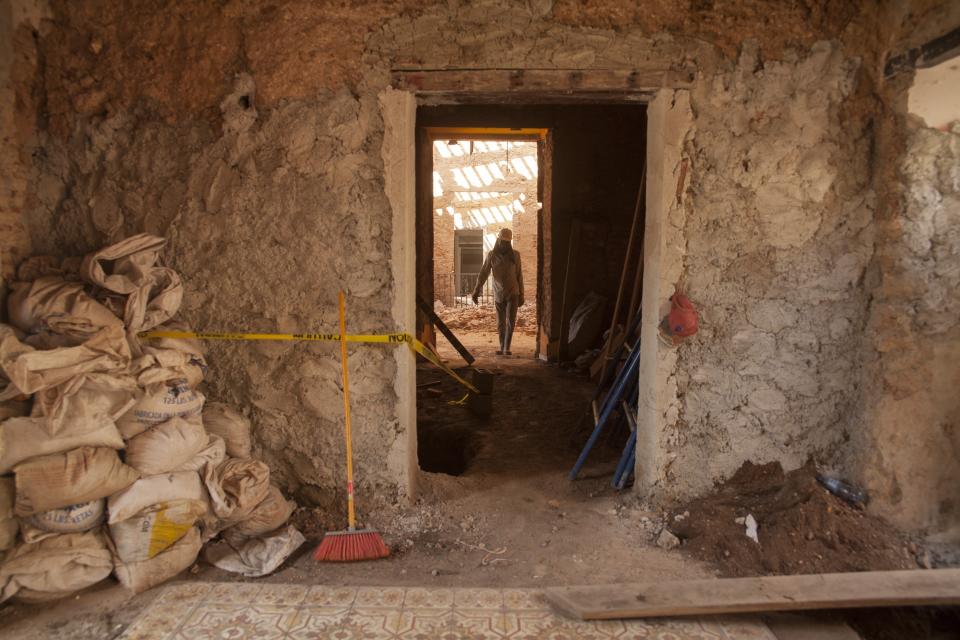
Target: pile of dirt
{"x":801,"y":527}
{"x":474,"y":318}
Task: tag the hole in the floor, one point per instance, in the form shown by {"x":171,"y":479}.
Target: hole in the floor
{"x":445,"y":449}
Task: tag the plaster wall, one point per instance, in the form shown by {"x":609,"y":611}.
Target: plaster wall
{"x":776,"y":235}
{"x":671,"y":123}
{"x":18,"y":60}
{"x":909,"y":450}
{"x":262,"y":159}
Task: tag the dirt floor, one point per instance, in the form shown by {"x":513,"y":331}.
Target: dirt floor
{"x":512,"y":518}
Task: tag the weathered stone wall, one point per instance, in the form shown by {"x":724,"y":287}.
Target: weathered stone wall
{"x":909,"y":450}
{"x":267,"y":219}
{"x":778,"y":232}
{"x":906,"y":451}
{"x":251,"y":136}
{"x":18,"y":61}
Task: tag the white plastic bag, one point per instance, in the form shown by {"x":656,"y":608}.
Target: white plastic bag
{"x":71,"y":519}
{"x":30,"y":370}
{"x":213,"y":454}
{"x":55,"y":566}
{"x":224,"y":421}
{"x":62,"y":479}
{"x":25,"y":438}
{"x":129,"y":268}
{"x":255,"y":557}
{"x":85,"y":400}
{"x":140,"y":576}
{"x":236,"y":487}
{"x":167,"y":365}
{"x":272,"y":513}
{"x":160,"y":402}
{"x":146,"y":492}
{"x":54,"y":304}
{"x":155,"y":529}
{"x":166,"y":446}
{"x":171,"y":358}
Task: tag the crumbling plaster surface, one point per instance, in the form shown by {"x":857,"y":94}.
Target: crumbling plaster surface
{"x":18,"y":59}
{"x":266,"y":220}
{"x":778,"y":234}
{"x":262,"y":163}
{"x":909,"y":450}
{"x":670,"y":120}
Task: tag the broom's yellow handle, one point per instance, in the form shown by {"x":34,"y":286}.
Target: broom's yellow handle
{"x":351,"y":511}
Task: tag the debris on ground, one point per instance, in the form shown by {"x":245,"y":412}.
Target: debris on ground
{"x":667,"y":540}
{"x":800,"y":527}
{"x":845,"y":490}
{"x":750,"y":525}
{"x":484,"y":318}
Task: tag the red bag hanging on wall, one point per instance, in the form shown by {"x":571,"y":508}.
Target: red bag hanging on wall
{"x":683,"y":316}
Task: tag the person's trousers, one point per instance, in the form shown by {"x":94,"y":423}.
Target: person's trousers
{"x":506,"y":321}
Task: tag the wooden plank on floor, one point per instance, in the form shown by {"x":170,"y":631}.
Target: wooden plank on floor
{"x":773,"y":593}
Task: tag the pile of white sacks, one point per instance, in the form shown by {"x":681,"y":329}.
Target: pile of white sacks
{"x":110,"y":461}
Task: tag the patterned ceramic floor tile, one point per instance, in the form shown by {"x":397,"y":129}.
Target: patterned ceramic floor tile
{"x":320,"y":595}
{"x":422,"y":598}
{"x":241,"y":611}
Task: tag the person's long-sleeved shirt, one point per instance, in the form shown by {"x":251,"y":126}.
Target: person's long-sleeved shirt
{"x":507,"y":276}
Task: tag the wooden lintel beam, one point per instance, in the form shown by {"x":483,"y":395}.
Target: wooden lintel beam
{"x":442,"y":202}
{"x":493,"y":189}
{"x":440,"y":81}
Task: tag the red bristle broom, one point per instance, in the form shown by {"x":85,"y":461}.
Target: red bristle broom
{"x":349,"y":545}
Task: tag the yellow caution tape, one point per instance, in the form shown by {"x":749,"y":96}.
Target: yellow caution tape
{"x":388,"y":338}
{"x":462,"y":401}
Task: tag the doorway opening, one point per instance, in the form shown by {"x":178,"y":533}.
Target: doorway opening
{"x":481,"y":187}
{"x":564,"y":178}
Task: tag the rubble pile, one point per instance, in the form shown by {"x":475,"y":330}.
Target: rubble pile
{"x":763,"y":521}
{"x":483,"y":317}
{"x":111,"y":461}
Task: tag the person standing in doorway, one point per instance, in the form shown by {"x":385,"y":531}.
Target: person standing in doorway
{"x":504,"y":263}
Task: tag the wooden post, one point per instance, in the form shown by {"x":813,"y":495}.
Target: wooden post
{"x":606,"y":353}
{"x":564,"y":321}
{"x":438,"y":323}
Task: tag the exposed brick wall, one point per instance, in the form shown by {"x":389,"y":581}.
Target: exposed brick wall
{"x":442,"y":256}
